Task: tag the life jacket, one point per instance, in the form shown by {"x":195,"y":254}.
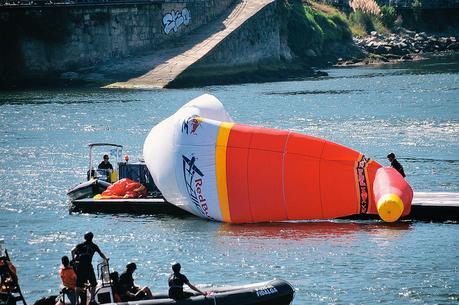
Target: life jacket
{"x":176,"y":282}
{"x":68,"y":277}
{"x":8,"y":276}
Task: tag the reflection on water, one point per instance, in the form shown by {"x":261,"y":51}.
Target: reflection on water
{"x":310,"y":229}
{"x":304,"y":92}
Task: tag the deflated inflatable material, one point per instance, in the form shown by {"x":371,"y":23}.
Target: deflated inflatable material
{"x":123,"y":189}
{"x":214,"y":168}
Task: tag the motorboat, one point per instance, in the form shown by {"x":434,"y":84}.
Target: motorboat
{"x":273,"y":292}
{"x":87,"y":189}
{"x":82,"y":196}
{"x":97,"y":179}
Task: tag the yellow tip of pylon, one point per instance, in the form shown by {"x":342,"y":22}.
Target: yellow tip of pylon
{"x":390,"y":207}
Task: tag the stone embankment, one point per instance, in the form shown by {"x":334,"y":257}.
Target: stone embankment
{"x":401,"y":45}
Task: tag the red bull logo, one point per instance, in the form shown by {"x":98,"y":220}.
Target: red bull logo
{"x":193,"y":178}
{"x":190,"y":125}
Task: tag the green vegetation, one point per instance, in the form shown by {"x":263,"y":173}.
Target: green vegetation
{"x":388,"y":16}
{"x":367,"y":16}
{"x":332,"y":27}
{"x":314,"y":29}
{"x":361,"y":23}
{"x":319,"y":26}
{"x":416,"y":5}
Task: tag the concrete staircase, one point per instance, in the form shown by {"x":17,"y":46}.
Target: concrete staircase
{"x":159,"y":68}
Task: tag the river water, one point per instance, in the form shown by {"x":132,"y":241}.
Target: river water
{"x":411,"y":109}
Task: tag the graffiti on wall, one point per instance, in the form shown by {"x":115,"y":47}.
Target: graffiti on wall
{"x":175,"y":19}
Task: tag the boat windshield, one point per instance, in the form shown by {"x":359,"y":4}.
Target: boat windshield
{"x":97,"y":151}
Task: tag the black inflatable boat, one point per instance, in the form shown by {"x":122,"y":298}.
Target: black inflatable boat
{"x":275,"y":292}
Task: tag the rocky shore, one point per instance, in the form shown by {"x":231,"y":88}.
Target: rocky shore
{"x":400,"y":46}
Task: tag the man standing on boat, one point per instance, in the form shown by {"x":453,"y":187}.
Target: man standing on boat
{"x":82,"y":255}
{"x":105,"y":164}
{"x":395,"y":164}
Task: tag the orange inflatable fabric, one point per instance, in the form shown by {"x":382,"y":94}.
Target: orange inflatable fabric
{"x":124,"y":189}
{"x":274,"y":175}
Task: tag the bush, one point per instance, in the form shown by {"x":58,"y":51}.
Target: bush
{"x":369,"y":7}
{"x":378,"y":25}
{"x":416,"y":6}
{"x":358,"y":30}
{"x":303,"y":32}
{"x":388,"y":16}
{"x":333,"y":27}
{"x":359,"y":18}
{"x":310,"y":28}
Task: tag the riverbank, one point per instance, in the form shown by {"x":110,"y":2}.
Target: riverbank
{"x":287,"y":40}
{"x":400,"y":45}
{"x":383,"y":35}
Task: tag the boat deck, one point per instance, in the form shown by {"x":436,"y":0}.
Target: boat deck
{"x":426,"y":206}
{"x":146,"y":206}
{"x":435,"y":206}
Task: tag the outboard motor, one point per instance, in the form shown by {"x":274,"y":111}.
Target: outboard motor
{"x":104,"y":291}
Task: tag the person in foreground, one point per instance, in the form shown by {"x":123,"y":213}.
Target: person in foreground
{"x":82,"y":255}
{"x":69,"y":279}
{"x":176,"y":281}
{"x":128,"y":290}
{"x":395,"y":164}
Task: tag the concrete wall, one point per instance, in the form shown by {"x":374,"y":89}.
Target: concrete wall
{"x":38,"y":41}
{"x":256,"y":51}
{"x":258,"y":40}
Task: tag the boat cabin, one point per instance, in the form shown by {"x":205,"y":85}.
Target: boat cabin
{"x":122,"y":167}
{"x":114,"y":167}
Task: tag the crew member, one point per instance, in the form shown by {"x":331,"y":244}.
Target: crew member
{"x":8,"y":277}
{"x":395,"y":164}
{"x":82,"y":255}
{"x":69,"y":278}
{"x":128,"y":290}
{"x":176,"y":281}
{"x":105,"y":164}
{"x":106,"y":167}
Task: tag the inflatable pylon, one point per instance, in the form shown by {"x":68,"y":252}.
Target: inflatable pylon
{"x":205,"y":163}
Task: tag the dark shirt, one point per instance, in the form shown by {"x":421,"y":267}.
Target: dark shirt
{"x":176,"y":281}
{"x":125,"y":285}
{"x":395,"y":164}
{"x":104,"y":165}
{"x":85,"y":251}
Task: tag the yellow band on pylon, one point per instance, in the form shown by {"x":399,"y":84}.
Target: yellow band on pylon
{"x":220,"y":158}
